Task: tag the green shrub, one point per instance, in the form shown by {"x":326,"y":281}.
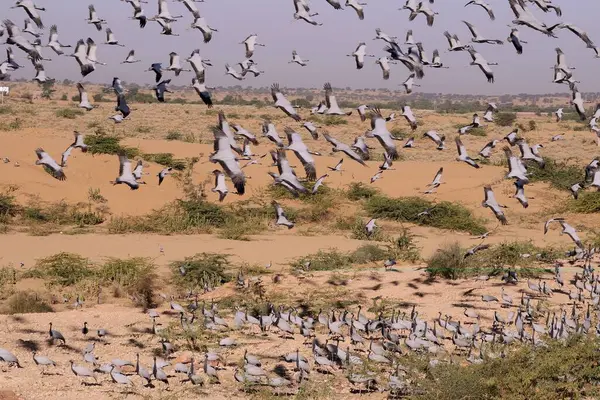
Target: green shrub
{"x":324,"y":261}
{"x":200,"y":270}
{"x":27,"y":303}
{"x":399,"y":133}
{"x":143,"y":129}
{"x":404,"y":248}
{"x":478,"y":132}
{"x":63,"y":269}
{"x":444,"y":215}
{"x":448,"y":262}
{"x":104,"y":144}
{"x":559,"y":175}
{"x":69,"y":113}
{"x":126,"y":273}
{"x":505,"y":118}
{"x":358,"y":191}
{"x":587,"y":203}
{"x":559,"y":371}
{"x":4,"y":110}
{"x":532,"y":125}
{"x":167,"y":160}
{"x":173,"y":135}
{"x":334,"y":120}
{"x":8,"y":206}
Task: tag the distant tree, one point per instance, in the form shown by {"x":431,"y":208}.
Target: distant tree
{"x":48,"y":89}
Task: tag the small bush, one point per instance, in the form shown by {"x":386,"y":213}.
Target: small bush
{"x":532,"y":125}
{"x":200,"y":270}
{"x":173,"y":135}
{"x":358,"y":191}
{"x":324,"y":261}
{"x":6,"y":110}
{"x":399,"y":133}
{"x":8,"y":206}
{"x":126,"y":273}
{"x":558,"y":174}
{"x":587,"y":203}
{"x":104,"y":144}
{"x":27,"y":303}
{"x":448,"y":262}
{"x":143,"y":129}
{"x":478,"y":132}
{"x":505,"y":119}
{"x":167,"y":160}
{"x":63,"y":269}
{"x":368,"y":253}
{"x":444,"y":215}
{"x":404,"y":248}
{"x":69,"y":113}
{"x":64,"y":214}
{"x":334,"y":120}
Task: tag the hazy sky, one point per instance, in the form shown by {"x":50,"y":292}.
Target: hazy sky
{"x":325,"y":46}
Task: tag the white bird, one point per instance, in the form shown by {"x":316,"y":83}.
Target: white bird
{"x":335,"y":4}
{"x":358,"y":7}
{"x":462,"y":154}
{"x":197,"y":63}
{"x":491,"y":203}
{"x":525,"y":17}
{"x":330,"y":100}
{"x":312,"y":129}
{"x":338,"y":166}
{"x":478,"y":60}
{"x":175,"y":64}
{"x":566,"y":228}
{"x":269,"y":131}
{"x":384,"y":63}
{"x":189,"y":4}
{"x":15,"y":38}
{"x":232,"y":72}
{"x":486,"y":152}
{"x":206,"y":30}
{"x":301,"y":151}
{"x":515,"y":39}
{"x":384,"y":36}
{"x":483,"y":5}
{"x":410,"y":143}
{"x":167,"y":29}
{"x":49,"y":163}
{"x":380,"y":132}
{"x":79,"y":143}
{"x":437,"y":179}
{"x":577,"y":101}
{"x":281,"y":217}
{"x":409,"y":37}
{"x":224,"y":126}
{"x":318,"y":183}
{"x":359,"y":55}
{"x":424,"y":9}
{"x":377,"y":176}
{"x":163,"y":173}
{"x":53,"y":42}
{"x":362,"y":111}
{"x":202,"y":89}
{"x":488,"y":116}
{"x":32,"y":11}
{"x":454,"y":42}
{"x":370,"y":227}
{"x":477,"y":38}
{"x":80,"y":55}
{"x":164,"y":14}
{"x":91,"y":52}
{"x":436,"y":61}
{"x":93,"y":18}
{"x":438,"y":139}
{"x":130,"y":58}
{"x":339,"y":146}
{"x":111,"y":39}
{"x":250,"y":44}
{"x":227,"y":160}
{"x":516,"y":169}
{"x":287,"y":177}
{"x":220,"y":185}
{"x":282,"y":103}
{"x":84,"y":101}
{"x":409,"y":116}
{"x":40,"y":75}
{"x":520,"y":192}
{"x":527,"y":153}
{"x":298,"y":60}
{"x":302,"y":12}
{"x":125,"y":174}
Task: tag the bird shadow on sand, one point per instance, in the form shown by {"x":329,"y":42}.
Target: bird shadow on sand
{"x":18,"y":318}
{"x":31,"y":345}
{"x":136,"y":343}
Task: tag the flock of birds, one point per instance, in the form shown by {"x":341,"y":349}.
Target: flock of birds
{"x":381,"y":339}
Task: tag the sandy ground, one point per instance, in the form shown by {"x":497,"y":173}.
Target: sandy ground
{"x":368,"y":284}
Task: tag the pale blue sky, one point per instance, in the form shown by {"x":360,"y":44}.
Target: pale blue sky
{"x":325,"y":46}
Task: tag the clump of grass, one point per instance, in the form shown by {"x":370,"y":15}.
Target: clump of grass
{"x":324,"y":261}
{"x":404,"y":248}
{"x":334,"y":120}
{"x":8,"y":206}
{"x":125,"y":272}
{"x":478,"y":132}
{"x":27,"y":303}
{"x":6,"y":110}
{"x":63,"y":269}
{"x":174,"y":135}
{"x":64,"y":214}
{"x":444,"y":215}
{"x":69,"y":113}
{"x":200,"y":270}
{"x":104,"y":144}
{"x":449,"y":262}
{"x":95,"y":196}
{"x":358,"y":191}
{"x":143,"y":129}
{"x":505,"y":118}
{"x":167,"y":160}
{"x":559,"y":175}
{"x":558,"y":371}
{"x":368,"y":253}
{"x":399,"y":133}
{"x":13,"y":125}
{"x":587,"y":203}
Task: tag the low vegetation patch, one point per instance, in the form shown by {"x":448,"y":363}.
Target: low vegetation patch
{"x":505,"y":118}
{"x":105,"y":144}
{"x":200,"y":270}
{"x":166,"y":159}
{"x":444,"y":215}
{"x":559,"y":371}
{"x":27,"y":303}
{"x":587,"y":203}
{"x":559,"y":175}
{"x":358,"y":191}
{"x":333,"y":259}
{"x":69,"y":113}
{"x":450,"y":262}
{"x":62,"y":269}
